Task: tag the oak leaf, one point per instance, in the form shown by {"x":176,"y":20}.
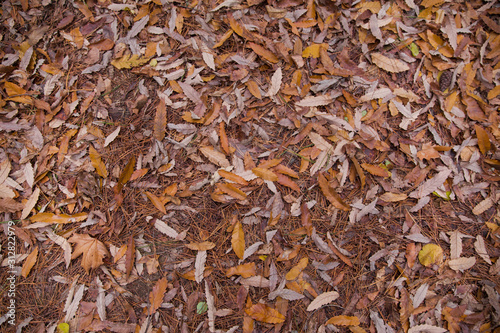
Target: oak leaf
{"x":91,"y":249}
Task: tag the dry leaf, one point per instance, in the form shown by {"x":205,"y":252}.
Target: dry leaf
{"x":61,"y":219}
{"x":110,"y":138}
{"x":483,"y":206}
{"x":331,"y":195}
{"x":430,"y":254}
{"x":375,"y":170}
{"x":343,"y":321}
{"x":215,"y":156}
{"x":265,"y":174}
{"x":393,"y":197}
{"x":245,"y":270}
{"x":199,"y":265}
{"x":462,"y":264}
{"x":160,"y":121}
{"x":297,"y":269}
{"x":483,"y":141}
{"x":315,"y":101}
{"x":238,"y":240}
{"x":167,"y":230}
{"x":201,"y":246}
{"x":265,"y":314}
{"x":275,"y":83}
{"x":232,"y":177}
{"x":264,"y":53}
{"x":156,"y":295}
{"x":130,"y":256}
{"x":97,"y":163}
{"x":389,"y":64}
{"x":285,"y":181}
{"x":91,"y":249}
{"x":128,"y":61}
{"x":157,"y":202}
{"x":323,"y":299}
{"x":480,"y":248}
{"x":126,"y":174}
{"x":30,"y":204}
{"x":30,"y":262}
{"x":431,"y":185}
{"x":253,"y":88}
{"x":232,"y":191}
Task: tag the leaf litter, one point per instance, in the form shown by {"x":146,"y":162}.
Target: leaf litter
{"x":293,"y":165}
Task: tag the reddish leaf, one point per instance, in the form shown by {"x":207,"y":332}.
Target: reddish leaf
{"x":156,"y":295}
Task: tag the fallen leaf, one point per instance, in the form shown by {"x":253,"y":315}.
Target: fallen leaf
{"x":393,"y":197}
{"x":389,"y":64}
{"x":214,"y":156}
{"x":97,"y":163}
{"x":111,"y":137}
{"x":199,"y":265}
{"x":375,"y":170}
{"x":430,"y":254}
{"x":130,"y":256}
{"x":160,"y":121}
{"x":480,"y":247}
{"x":265,"y":314}
{"x":462,"y":264}
{"x":483,"y":141}
{"x":29,"y":262}
{"x":232,"y":191}
{"x":297,"y":269}
{"x":128,"y":61}
{"x":30,"y":204}
{"x":323,"y":299}
{"x":157,"y":202}
{"x":238,"y":240}
{"x":275,"y":83}
{"x":91,"y":249}
{"x":343,"y":321}
{"x":245,"y":270}
{"x":201,"y":246}
{"x":156,"y":295}
{"x":265,"y":174}
{"x":61,"y":218}
{"x":264,"y":53}
{"x":232,"y":177}
{"x":331,"y":195}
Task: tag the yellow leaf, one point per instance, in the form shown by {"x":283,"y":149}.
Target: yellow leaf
{"x":97,"y":163}
{"x":190,"y":275}
{"x":494,"y":92}
{"x":160,"y":121}
{"x":430,"y":254}
{"x":224,"y":38}
{"x":264,"y":53}
{"x":16,"y":93}
{"x":313,"y":51}
{"x":156,"y":202}
{"x":265,"y":174}
{"x":483,"y":141}
{"x":63,"y":328}
{"x":393,"y":197}
{"x":30,"y":262}
{"x":265,"y":314}
{"x":245,"y":270}
{"x":156,"y":295}
{"x":297,"y":269}
{"x":343,"y":320}
{"x":128,"y":61}
{"x":238,"y":240}
{"x":200,"y":246}
{"x":389,"y":64}
{"x":91,"y":249}
{"x":356,"y":329}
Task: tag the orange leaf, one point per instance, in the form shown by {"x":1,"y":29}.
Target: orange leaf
{"x":190,"y":275}
{"x":245,"y":270}
{"x":285,"y":181}
{"x":91,"y":249}
{"x":232,"y":177}
{"x":483,"y":141}
{"x":343,"y":320}
{"x":289,"y":254}
{"x":238,"y":240}
{"x":339,"y":254}
{"x":156,"y":202}
{"x":331,"y":195}
{"x":265,"y":314}
{"x":30,"y":262}
{"x":326,"y":60}
{"x":97,"y":163}
{"x":200,"y":246}
{"x":16,"y":93}
{"x":232,"y":190}
{"x":160,"y":121}
{"x":224,"y":143}
{"x":297,"y":269}
{"x":253,"y":88}
{"x":156,"y":295}
{"x":313,"y":51}
{"x":375,"y":170}
{"x":126,"y":173}
{"x":223,"y":38}
{"x":61,"y":218}
{"x":286,"y":171}
{"x":265,"y":174}
{"x":428,"y":152}
{"x":264,"y":53}
{"x":239,"y":29}
{"x":270,"y":163}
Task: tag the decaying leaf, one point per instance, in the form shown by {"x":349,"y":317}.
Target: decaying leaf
{"x":160,"y":120}
{"x":389,"y":64}
{"x":156,"y":295}
{"x":245,"y":270}
{"x":430,"y":254}
{"x":480,"y":247}
{"x":29,"y":262}
{"x":297,"y":269}
{"x":331,"y":195}
{"x":462,"y":264}
{"x":343,"y":321}
{"x":97,"y":163}
{"x":129,"y":61}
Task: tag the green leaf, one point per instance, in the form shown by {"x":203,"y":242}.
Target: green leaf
{"x":201,"y":308}
{"x":414,"y":49}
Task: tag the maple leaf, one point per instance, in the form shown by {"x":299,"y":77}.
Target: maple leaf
{"x":91,"y":249}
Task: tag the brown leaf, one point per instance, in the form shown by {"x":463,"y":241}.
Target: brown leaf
{"x":297,"y":269}
{"x":239,"y":29}
{"x":156,"y":295}
{"x":343,"y":320}
{"x":339,"y":254}
{"x":97,"y":163}
{"x":264,"y":53}
{"x":265,"y":174}
{"x":232,"y":190}
{"x":265,"y":314}
{"x":190,"y":275}
{"x":375,"y":170}
{"x":160,"y":121}
{"x":30,"y":262}
{"x":323,"y":299}
{"x":238,"y":240}
{"x":331,"y":195}
{"x":285,"y":181}
{"x":393,"y":197}
{"x":224,"y":143}
{"x":130,"y":256}
{"x":305,"y":217}
{"x":245,"y":270}
{"x":253,"y":88}
{"x":126,"y":174}
{"x":91,"y":249}
{"x":232,"y":177}
{"x":201,"y":246}
{"x":411,"y":254}
{"x":483,"y":141}
{"x":156,"y":202}
{"x":389,"y":64}
{"x":61,"y":218}
{"x":286,"y":171}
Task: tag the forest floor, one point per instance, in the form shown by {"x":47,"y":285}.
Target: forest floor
{"x":250,"y":166}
